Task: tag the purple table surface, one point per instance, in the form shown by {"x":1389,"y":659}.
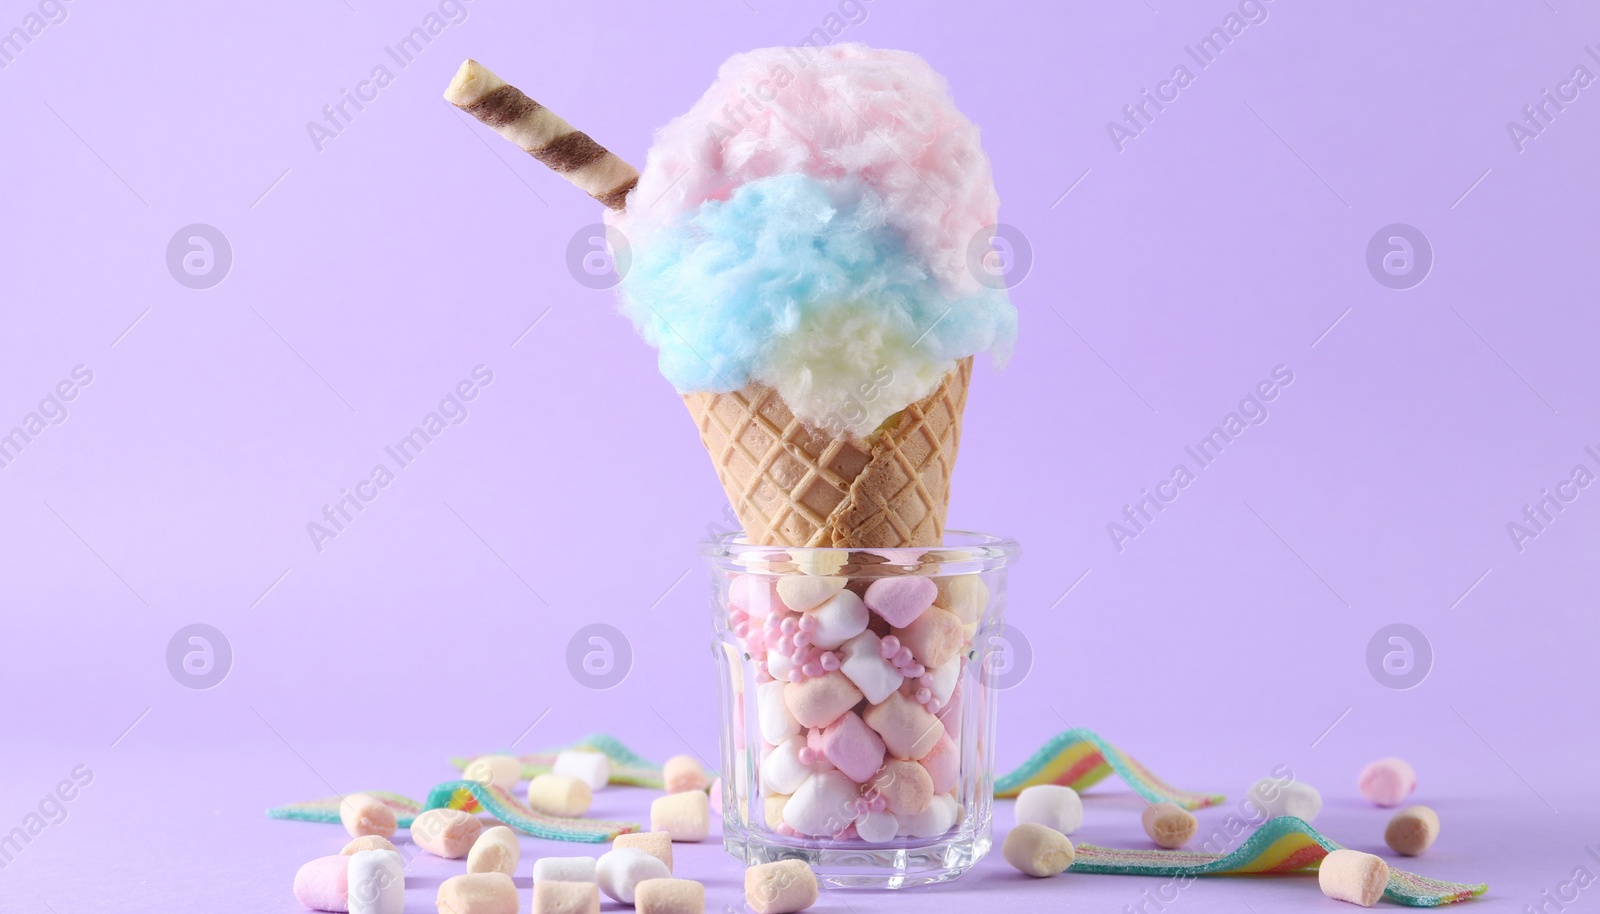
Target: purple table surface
{"x":360,"y":267}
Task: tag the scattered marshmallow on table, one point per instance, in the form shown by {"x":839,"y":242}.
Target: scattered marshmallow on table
{"x":552,"y":897}
{"x":772,"y":712}
{"x":1347,"y":875}
{"x":1387,"y":782}
{"x":323,"y":884}
{"x":683,"y":772}
{"x":592,"y":768}
{"x":684,"y":816}
{"x":852,"y":747}
{"x":657,"y":844}
{"x":1037,"y":851}
{"x":447,"y":833}
{"x":935,"y":637}
{"x":904,"y":786}
{"x":670,"y":896}
{"x":840,"y":618}
{"x":1054,"y":806}
{"x":559,"y":795}
{"x":495,"y":851}
{"x":363,"y":815}
{"x":619,"y":871}
{"x":819,"y":701}
{"x":377,"y":883}
{"x":502,"y":771}
{"x":803,"y":592}
{"x":909,"y":729}
{"x":900,"y":600}
{"x":861,"y":660}
{"x":1274,"y":797}
{"x":823,"y":806}
{"x":368,"y":843}
{"x":1168,"y":824}
{"x":780,"y":888}
{"x":1412,"y":830}
{"x":564,"y":869}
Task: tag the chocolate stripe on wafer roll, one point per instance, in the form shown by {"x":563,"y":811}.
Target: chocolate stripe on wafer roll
{"x":542,"y":134}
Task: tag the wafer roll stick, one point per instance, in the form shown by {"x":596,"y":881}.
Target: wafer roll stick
{"x":542,"y":134}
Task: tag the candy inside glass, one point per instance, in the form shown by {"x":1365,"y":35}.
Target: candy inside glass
{"x":858,"y":732}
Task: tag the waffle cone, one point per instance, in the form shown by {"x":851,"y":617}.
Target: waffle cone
{"x":791,"y":484}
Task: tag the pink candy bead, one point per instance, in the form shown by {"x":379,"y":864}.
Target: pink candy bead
{"x":913,"y":671}
{"x":924,"y":696}
{"x":802,"y":639}
{"x":904,"y":657}
{"x":888,"y":647}
{"x":830,"y":661}
{"x":808,"y":756}
{"x":808,"y":623}
{"x":789,"y":626}
{"x":813,"y":670}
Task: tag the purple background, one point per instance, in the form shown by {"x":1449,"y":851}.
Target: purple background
{"x":368,"y":278}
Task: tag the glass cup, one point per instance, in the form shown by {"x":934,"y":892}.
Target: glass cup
{"x":858,"y":705}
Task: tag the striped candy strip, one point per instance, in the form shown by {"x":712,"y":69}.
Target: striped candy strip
{"x":1080,"y":759}
{"x":472,"y":797}
{"x":627,"y":767}
{"x":1281,"y":845}
{"x":542,"y":134}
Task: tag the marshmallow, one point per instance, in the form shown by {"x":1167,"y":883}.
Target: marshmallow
{"x":1037,"y":851}
{"x":780,"y":888}
{"x":781,"y":666}
{"x":1387,"y":782}
{"x":368,"y":843}
{"x":756,"y":595}
{"x":772,"y":808}
{"x":1347,"y":875}
{"x":943,"y":763}
{"x":819,"y":561}
{"x":782,"y":771}
{"x":364,"y":815}
{"x":1051,"y":805}
{"x":559,"y":795}
{"x":553,"y":897}
{"x":1168,"y":824}
{"x":773,"y":714}
{"x":862,"y":661}
{"x":803,"y":592}
{"x":852,"y":747}
{"x":899,"y":601}
{"x":1276,"y":797}
{"x":823,"y":806}
{"x":1412,"y":830}
{"x":839,"y":619}
{"x":820,"y":701}
{"x":950,"y":714}
{"x":502,"y":771}
{"x":447,"y":833}
{"x":908,"y":729}
{"x":940,"y":816}
{"x":877,"y":827}
{"x":377,"y":881}
{"x":670,"y":896}
{"x":963,"y":594}
{"x":323,"y":884}
{"x":904,"y":786}
{"x":564,"y":869}
{"x":683,"y":772}
{"x":495,"y":851}
{"x":592,"y":768}
{"x":657,"y":844}
{"x":935,"y":637}
{"x":685,"y":816}
{"x":477,"y":893}
{"x":941,"y":682}
{"x":620,"y":870}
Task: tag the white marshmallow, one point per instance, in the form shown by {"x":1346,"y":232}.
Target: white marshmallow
{"x":839,"y":619}
{"x":860,"y":662}
{"x":773,"y":714}
{"x":1051,"y":805}
{"x":377,"y":881}
{"x":564,"y":869}
{"x":620,"y":870}
{"x":938,"y":818}
{"x":877,"y":827}
{"x":1274,"y":797}
{"x":803,"y":592}
{"x":780,"y":666}
{"x":592,"y":768}
{"x":782,"y":771}
{"x":823,"y":806}
{"x":944,"y":680}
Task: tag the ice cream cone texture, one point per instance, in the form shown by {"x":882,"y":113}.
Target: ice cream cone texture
{"x":801,"y":256}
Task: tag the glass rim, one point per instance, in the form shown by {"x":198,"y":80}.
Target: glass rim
{"x":963,"y":552}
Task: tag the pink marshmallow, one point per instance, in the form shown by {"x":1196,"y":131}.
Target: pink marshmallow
{"x":950,"y":714}
{"x":852,"y":747}
{"x":935,"y":637}
{"x":901,"y":600}
{"x":943,"y":762}
{"x":756,"y":595}
{"x":909,"y":730}
{"x":324,"y":884}
{"x":819,"y":701}
{"x":1387,"y":782}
